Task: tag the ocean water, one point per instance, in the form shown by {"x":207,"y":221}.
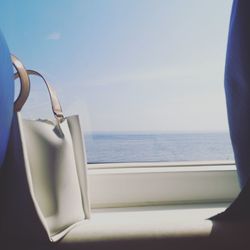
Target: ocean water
{"x":157,"y":147}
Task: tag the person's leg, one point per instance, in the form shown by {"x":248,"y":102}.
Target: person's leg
{"x":237,"y":89}
{"x":237,"y":86}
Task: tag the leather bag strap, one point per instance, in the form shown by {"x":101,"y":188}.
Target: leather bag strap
{"x":25,"y":83}
{"x":23,"y":74}
{"x":55,"y":104}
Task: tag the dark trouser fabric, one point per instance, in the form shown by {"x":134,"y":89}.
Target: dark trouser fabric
{"x":237,"y":86}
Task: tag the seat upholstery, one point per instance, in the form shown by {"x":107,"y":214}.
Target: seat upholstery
{"x":6,"y":96}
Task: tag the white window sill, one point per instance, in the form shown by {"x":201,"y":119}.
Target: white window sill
{"x":145,"y":222}
{"x":158,"y":227}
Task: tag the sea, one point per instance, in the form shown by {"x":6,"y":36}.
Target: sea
{"x":157,"y":147}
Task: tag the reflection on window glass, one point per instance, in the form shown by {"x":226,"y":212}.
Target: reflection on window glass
{"x":145,"y":76}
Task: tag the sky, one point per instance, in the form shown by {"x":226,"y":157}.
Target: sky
{"x":125,"y":65}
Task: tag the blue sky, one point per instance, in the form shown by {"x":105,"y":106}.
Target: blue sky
{"x":134,"y":65}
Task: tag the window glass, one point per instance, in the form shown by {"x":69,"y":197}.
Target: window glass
{"x":145,"y":76}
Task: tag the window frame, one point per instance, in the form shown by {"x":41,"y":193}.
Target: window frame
{"x":144,"y":184}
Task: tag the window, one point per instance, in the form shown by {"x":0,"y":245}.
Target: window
{"x":146,"y":78}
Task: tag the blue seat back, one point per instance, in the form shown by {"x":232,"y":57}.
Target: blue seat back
{"x":6,"y":96}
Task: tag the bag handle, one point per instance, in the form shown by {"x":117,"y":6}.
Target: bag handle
{"x":23,"y":74}
{"x":55,"y":104}
{"x":24,"y":83}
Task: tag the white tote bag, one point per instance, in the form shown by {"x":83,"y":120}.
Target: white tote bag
{"x":43,"y":182}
